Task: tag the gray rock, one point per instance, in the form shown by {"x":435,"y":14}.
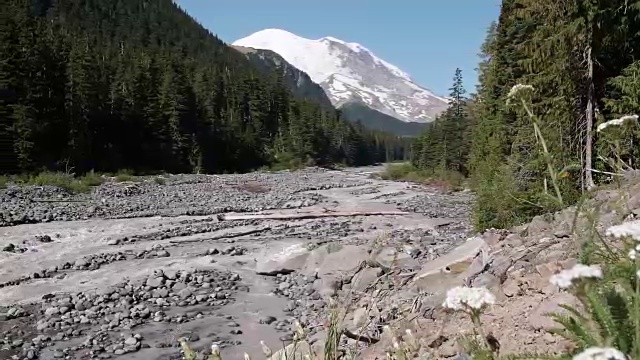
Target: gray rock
{"x":155,"y":282}
{"x":184,"y":293}
{"x":179,"y":286}
{"x":80,"y":263}
{"x":267,"y":320}
{"x":52,"y":311}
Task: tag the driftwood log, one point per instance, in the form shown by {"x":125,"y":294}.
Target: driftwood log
{"x":231,"y":217}
{"x":224,"y":236}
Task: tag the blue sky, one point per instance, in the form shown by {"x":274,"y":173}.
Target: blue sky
{"x":426,"y":38}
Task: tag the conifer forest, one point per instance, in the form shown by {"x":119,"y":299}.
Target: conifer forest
{"x":138,"y":84}
{"x":581,"y":58}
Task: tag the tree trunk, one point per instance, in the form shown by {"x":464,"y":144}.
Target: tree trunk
{"x":588,"y":165}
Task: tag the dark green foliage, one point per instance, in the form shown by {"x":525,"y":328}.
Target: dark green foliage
{"x":609,"y":319}
{"x":138,"y":84}
{"x":445,"y":145}
{"x":625,"y":100}
{"x":579,"y":55}
{"x":550,"y":45}
{"x":375,"y":120}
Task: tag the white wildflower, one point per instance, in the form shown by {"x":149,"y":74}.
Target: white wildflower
{"x":628,"y":229}
{"x":396,"y":344}
{"x":565,"y":278}
{"x":266,"y":350}
{"x":596,"y":353}
{"x":617,"y":122}
{"x":632,"y":254}
{"x":638,"y":274}
{"x":458,"y":298}
{"x":517,"y":88}
{"x":587,"y":271}
{"x":215,"y":351}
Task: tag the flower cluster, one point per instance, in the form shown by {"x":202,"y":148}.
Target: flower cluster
{"x":461,"y":298}
{"x":518,"y":88}
{"x":633,"y":253}
{"x":596,"y":353}
{"x":628,"y":229}
{"x":616,"y":122}
{"x":565,"y":278}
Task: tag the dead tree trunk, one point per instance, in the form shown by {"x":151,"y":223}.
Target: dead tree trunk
{"x":588,"y":164}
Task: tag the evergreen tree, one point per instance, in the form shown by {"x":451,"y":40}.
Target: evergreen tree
{"x":444,"y":146}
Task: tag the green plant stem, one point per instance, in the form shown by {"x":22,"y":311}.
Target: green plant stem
{"x":547,"y":157}
{"x":636,"y":309}
{"x":477,"y":327}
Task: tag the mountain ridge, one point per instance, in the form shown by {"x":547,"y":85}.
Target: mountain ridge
{"x":301,"y":85}
{"x":349,"y":72}
{"x":296,"y":80}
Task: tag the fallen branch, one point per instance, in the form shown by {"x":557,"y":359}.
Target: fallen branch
{"x":361,"y":338}
{"x":225,"y":236}
{"x":57,"y":200}
{"x":223,"y":217}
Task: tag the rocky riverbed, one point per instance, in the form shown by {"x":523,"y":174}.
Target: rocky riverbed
{"x":126,"y":270}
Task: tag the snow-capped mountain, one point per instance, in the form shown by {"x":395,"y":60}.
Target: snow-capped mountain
{"x":298,"y":82}
{"x":349,"y":72}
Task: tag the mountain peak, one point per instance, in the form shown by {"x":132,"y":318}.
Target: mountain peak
{"x":272,"y":33}
{"x":349,"y":72}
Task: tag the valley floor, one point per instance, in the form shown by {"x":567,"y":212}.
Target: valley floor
{"x":128,"y":269}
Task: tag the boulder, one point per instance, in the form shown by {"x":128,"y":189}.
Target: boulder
{"x":449,"y":270}
{"x":335,"y":259}
{"x":284,"y":260}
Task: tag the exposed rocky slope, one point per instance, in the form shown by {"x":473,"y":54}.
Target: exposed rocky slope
{"x":515,"y":265}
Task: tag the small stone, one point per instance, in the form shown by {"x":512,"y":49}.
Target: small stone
{"x":52,"y":311}
{"x":163,"y":253}
{"x":17,"y":343}
{"x":284,"y":286}
{"x":155,"y":282}
{"x":179,"y":286}
{"x":131,"y":341}
{"x":267,"y":320}
{"x":80,"y":306}
{"x":235,"y":332}
{"x":80,"y":263}
{"x":184,"y":293}
{"x":44,"y":238}
{"x":161,"y":293}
